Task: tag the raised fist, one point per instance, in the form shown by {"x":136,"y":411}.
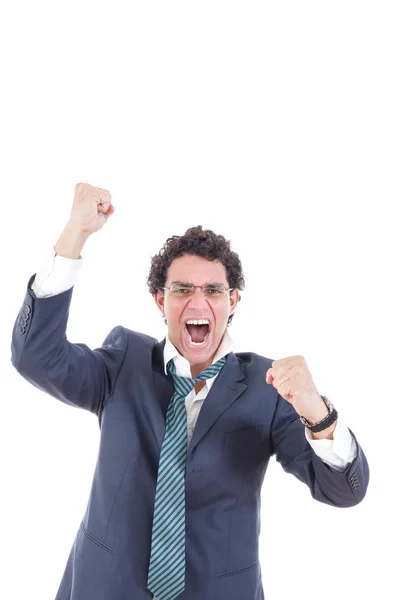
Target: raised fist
{"x":91,"y":208}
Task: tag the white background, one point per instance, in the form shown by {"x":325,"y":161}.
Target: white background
{"x":275,"y":124}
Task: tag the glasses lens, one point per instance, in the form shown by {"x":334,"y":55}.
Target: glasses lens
{"x":214,"y":291}
{"x":180,"y":289}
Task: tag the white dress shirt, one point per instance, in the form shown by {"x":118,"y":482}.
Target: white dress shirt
{"x":59,"y":274}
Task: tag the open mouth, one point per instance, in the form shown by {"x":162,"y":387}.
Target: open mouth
{"x":197,"y":331}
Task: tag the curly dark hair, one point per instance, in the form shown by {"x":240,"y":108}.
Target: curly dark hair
{"x":200,"y":242}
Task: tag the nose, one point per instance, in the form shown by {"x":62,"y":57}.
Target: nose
{"x":197,"y":299}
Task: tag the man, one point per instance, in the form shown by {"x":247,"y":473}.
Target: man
{"x":187,"y":425}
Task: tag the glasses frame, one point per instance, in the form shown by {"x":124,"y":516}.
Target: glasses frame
{"x":195,"y":287}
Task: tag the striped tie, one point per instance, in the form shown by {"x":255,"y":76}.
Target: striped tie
{"x":166,"y":578}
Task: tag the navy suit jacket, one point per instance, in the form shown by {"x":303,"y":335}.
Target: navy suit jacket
{"x":242,"y":423}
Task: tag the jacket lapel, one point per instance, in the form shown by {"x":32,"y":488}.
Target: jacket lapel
{"x":225,"y":390}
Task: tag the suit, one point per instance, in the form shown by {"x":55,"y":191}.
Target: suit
{"x":242,"y":423}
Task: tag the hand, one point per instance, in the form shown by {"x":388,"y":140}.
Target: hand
{"x":90,"y":209}
{"x":291,"y":377}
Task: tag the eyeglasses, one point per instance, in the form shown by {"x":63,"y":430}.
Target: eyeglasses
{"x":213,"y":291}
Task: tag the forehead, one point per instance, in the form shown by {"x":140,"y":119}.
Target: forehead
{"x":197,"y":270}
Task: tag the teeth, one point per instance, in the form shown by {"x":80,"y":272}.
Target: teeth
{"x":198,"y":322}
{"x":190,"y":339}
{"x":196,"y":343}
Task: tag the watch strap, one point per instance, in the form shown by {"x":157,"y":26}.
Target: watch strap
{"x":326,"y":421}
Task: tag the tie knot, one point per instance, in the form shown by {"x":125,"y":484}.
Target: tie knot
{"x":184,"y":385}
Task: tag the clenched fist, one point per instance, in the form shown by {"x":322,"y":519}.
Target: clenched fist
{"x":293,"y":380}
{"x":91,"y":208}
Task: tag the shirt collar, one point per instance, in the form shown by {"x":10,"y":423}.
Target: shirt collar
{"x":182,"y":364}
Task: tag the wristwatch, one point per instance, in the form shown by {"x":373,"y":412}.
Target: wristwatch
{"x":326,"y":421}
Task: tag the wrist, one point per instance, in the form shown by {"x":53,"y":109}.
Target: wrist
{"x":71,"y":242}
{"x":316,"y":424}
{"x":318,"y":414}
{"x":325,"y":433}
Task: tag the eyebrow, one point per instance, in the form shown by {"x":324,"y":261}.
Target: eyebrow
{"x":186,"y":283}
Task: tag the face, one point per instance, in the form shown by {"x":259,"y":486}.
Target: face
{"x":179,"y":310}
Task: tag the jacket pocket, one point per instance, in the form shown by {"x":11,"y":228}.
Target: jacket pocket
{"x":91,"y":567}
{"x":237,"y":571}
{"x":95,"y":540}
{"x":236,"y":585}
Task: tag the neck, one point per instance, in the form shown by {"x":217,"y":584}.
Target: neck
{"x":197,"y":368}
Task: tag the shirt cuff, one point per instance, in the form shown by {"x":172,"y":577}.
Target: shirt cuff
{"x":56,"y":275}
{"x":337,"y":453}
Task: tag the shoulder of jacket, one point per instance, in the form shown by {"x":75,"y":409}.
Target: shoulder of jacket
{"x":138,"y":338}
{"x":254,"y":360}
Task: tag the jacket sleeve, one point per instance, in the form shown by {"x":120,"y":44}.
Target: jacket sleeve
{"x":294,"y":453}
{"x":72,"y":373}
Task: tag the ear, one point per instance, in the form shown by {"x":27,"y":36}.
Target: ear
{"x":234,"y":298}
{"x":160,"y":300}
